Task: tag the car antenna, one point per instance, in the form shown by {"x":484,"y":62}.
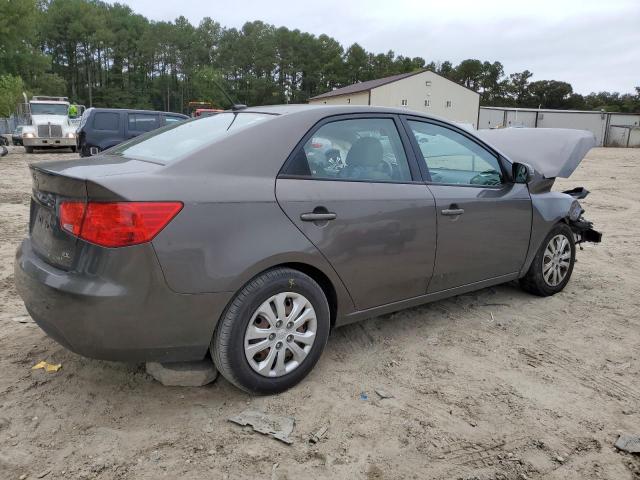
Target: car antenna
{"x":235,"y":106}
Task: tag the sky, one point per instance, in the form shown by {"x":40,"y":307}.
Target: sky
{"x":594,"y":45}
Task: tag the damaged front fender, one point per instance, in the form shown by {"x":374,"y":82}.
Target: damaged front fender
{"x":584,"y":232}
{"x":582,"y":228}
{"x":549,"y":208}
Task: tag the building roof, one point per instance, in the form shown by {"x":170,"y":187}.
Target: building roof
{"x":366,"y":86}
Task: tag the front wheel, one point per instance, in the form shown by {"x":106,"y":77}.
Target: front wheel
{"x":552,"y":266}
{"x":273,"y":332}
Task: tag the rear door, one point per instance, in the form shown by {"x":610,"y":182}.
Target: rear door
{"x":484,"y":219}
{"x":349,"y":187}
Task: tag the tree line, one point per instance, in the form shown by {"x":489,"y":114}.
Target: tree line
{"x":102,"y":54}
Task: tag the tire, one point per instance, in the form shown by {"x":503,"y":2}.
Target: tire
{"x":74,"y":149}
{"x":28,"y":149}
{"x":230,"y":337}
{"x":535,"y":280}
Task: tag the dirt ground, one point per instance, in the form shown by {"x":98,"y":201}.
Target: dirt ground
{"x":497,"y":384}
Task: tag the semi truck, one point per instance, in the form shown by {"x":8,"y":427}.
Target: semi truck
{"x":48,"y":124}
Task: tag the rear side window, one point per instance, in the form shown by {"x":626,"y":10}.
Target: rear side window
{"x":143,"y":122}
{"x":180,"y":139}
{"x":106,"y":121}
{"x":363,"y":149}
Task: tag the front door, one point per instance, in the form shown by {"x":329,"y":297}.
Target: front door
{"x":484,"y":220}
{"x":350,"y":190}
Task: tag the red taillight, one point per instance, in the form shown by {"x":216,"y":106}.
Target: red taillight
{"x":117,"y":224}
{"x":71,"y":215}
{"x":316,"y":145}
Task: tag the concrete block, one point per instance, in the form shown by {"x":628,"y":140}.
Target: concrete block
{"x":183,"y":374}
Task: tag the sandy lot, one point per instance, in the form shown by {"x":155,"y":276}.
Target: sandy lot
{"x":496,"y":384}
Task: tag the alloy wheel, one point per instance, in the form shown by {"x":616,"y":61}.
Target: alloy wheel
{"x":556,"y":260}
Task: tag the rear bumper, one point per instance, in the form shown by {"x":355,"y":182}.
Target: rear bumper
{"x":117,"y":307}
{"x":49,"y":142}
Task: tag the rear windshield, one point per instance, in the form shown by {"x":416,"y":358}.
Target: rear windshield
{"x":171,"y":143}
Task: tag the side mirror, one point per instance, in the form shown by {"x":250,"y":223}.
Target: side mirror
{"x":522,"y":172}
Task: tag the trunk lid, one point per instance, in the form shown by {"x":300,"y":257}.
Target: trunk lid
{"x":53,"y":244}
{"x":76,"y":180}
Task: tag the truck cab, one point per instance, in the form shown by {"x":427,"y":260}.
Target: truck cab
{"x":49,"y":125}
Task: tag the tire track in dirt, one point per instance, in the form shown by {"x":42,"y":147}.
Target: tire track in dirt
{"x":549,"y":355}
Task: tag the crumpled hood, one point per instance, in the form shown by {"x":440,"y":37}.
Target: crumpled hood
{"x":552,"y":152}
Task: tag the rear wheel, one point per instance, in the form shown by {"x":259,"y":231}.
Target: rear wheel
{"x":273,"y":333}
{"x":552,"y":266}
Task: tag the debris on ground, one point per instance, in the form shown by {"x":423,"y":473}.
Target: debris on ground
{"x":317,"y":436}
{"x":383,"y":393}
{"x":183,"y":374}
{"x":276,"y":426}
{"x":43,"y":474}
{"x":48,"y":367}
{"x":23,"y":319}
{"x":364,"y":396}
{"x":628,"y":443}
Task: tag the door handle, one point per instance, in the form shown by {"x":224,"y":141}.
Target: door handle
{"x":452,"y":212}
{"x":317,"y":217}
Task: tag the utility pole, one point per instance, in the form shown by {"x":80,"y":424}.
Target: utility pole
{"x":90,"y":87}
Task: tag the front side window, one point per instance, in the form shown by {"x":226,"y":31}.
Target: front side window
{"x":143,"y":122}
{"x":366,"y":149}
{"x":106,"y":121}
{"x":452,"y":158}
{"x":176,"y":141}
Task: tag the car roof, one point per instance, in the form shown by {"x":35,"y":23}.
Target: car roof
{"x":328,"y":109}
{"x":308,"y":112}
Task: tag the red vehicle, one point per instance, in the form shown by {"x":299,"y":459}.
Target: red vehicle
{"x":206,"y":112}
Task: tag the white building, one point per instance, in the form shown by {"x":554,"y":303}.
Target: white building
{"x":610,"y":128}
{"x":422,"y":91}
